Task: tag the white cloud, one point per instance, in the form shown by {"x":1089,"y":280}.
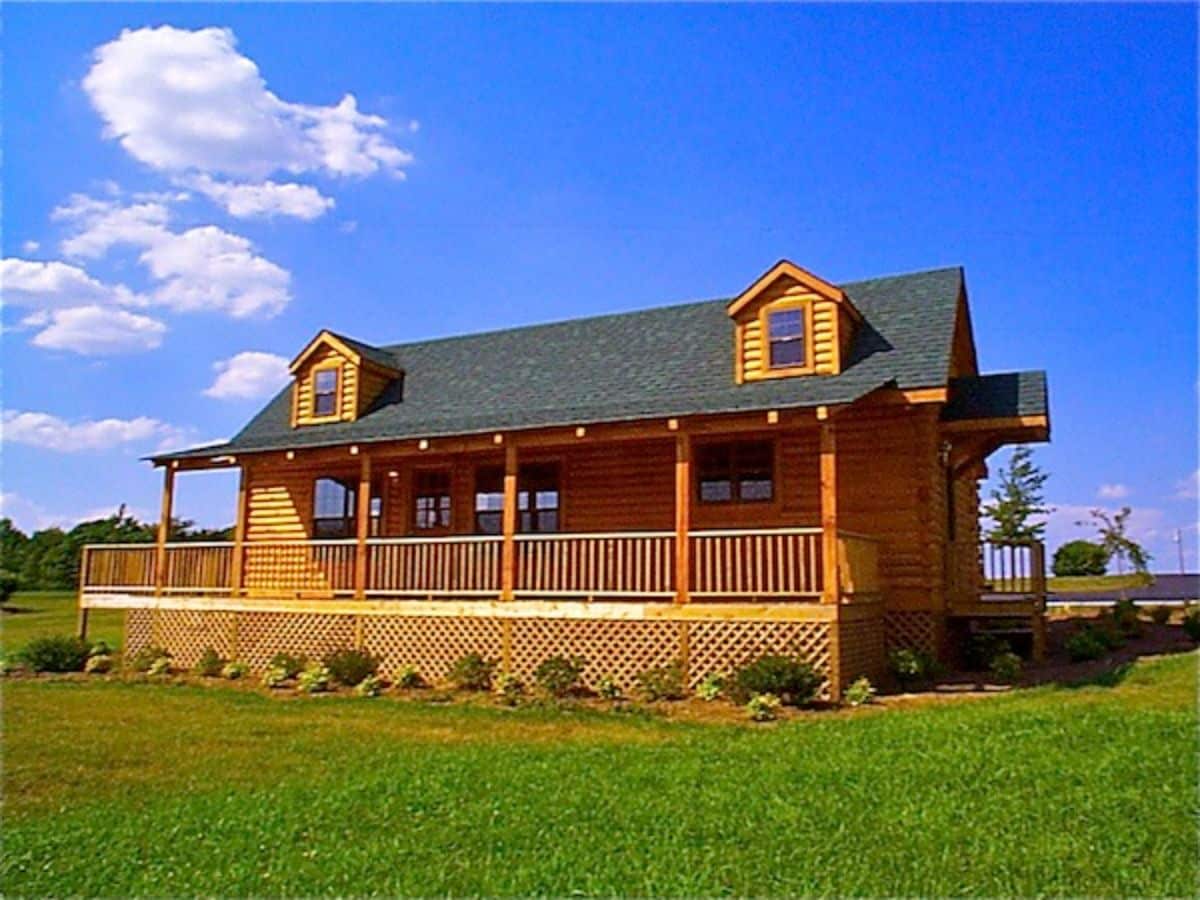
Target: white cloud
{"x":55,"y":285}
{"x":30,"y":516}
{"x":100,"y":225}
{"x":96,"y":330}
{"x":1188,"y":488}
{"x":183,"y":101}
{"x":1112,"y":491}
{"x":265,"y":200}
{"x":30,"y":247}
{"x":249,"y":374}
{"x":48,"y":432}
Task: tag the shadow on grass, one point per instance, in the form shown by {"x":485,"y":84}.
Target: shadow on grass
{"x":1109,"y":677}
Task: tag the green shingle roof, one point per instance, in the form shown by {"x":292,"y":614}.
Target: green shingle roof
{"x":999,"y":396}
{"x":668,"y":361}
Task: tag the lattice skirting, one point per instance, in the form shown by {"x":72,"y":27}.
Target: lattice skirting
{"x":620,"y":649}
{"x":915,"y":629}
{"x":862,"y":650}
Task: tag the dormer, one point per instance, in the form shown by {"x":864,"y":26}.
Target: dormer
{"x":790,"y":323}
{"x":336,"y":379}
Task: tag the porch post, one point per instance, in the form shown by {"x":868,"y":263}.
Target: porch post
{"x":362,"y":520}
{"x":831,"y":588}
{"x":508,"y":519}
{"x":164,"y":529}
{"x":683,"y":517}
{"x":236,"y":574}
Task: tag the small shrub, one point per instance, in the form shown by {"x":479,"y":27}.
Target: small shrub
{"x":793,"y":681}
{"x":9,"y":664}
{"x":408,"y":677}
{"x":662,"y":683}
{"x":371,"y":686}
{"x":100,"y":648}
{"x":559,"y":675}
{"x":1191,"y":624}
{"x":1006,"y":667}
{"x":232,"y":671}
{"x":161,"y":666}
{"x":710,"y":687}
{"x":55,"y":654}
{"x":1125,"y":618}
{"x":275,"y":677}
{"x":608,"y":688}
{"x":860,"y":693}
{"x":472,"y":672}
{"x":313,"y":680}
{"x":981,"y":649}
{"x":508,"y":688}
{"x":1107,"y":632}
{"x":763,"y":707}
{"x":98,"y":665}
{"x":1160,"y":615}
{"x":210,"y":663}
{"x":291,"y":665}
{"x":145,"y":657}
{"x":1085,"y":644}
{"x":912,"y":668}
{"x":349,"y":667}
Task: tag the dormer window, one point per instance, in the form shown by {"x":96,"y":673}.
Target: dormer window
{"x":325,"y":391}
{"x":785,"y":331}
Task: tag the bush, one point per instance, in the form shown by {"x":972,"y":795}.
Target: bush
{"x":608,"y":688}
{"x":763,"y":707}
{"x":472,"y":672}
{"x":559,"y":675}
{"x":860,"y":693}
{"x":1107,"y":633}
{"x":291,"y":665}
{"x":145,"y":658}
{"x":1080,"y":558}
{"x":371,"y":686}
{"x":913,"y":668}
{"x":1085,"y":644}
{"x":1125,"y":618}
{"x":349,"y":667}
{"x":1006,"y":667}
{"x":161,"y":666}
{"x":98,"y":665}
{"x":275,"y":677}
{"x":1191,"y":624}
{"x":662,"y":683}
{"x":9,"y":664}
{"x":210,"y":663}
{"x":1160,"y":615}
{"x":55,"y":654}
{"x":981,"y":649}
{"x":8,"y":584}
{"x":234,"y":671}
{"x":100,"y":648}
{"x":408,"y":677}
{"x":313,"y":680}
{"x":509,"y":689}
{"x":710,"y":686}
{"x":791,"y":680}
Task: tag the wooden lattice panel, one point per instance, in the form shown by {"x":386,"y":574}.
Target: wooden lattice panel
{"x":717,"y":646}
{"x":139,"y":627}
{"x":260,"y":635}
{"x":187,"y":633}
{"x":431,"y":644}
{"x":862,"y":651}
{"x":913,"y":629}
{"x":622,"y":650}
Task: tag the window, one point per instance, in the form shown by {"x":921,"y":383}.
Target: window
{"x":333,"y":508}
{"x":537,"y":499}
{"x":325,"y":389}
{"x":736,"y":472}
{"x":431,"y":497}
{"x":785,"y":331}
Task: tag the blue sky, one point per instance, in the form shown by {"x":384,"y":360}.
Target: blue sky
{"x":508,"y":165}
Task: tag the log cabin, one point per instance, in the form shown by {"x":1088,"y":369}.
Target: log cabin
{"x":794,"y":470}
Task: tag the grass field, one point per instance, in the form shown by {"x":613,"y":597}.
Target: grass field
{"x":37,"y":613}
{"x":1094,"y":584}
{"x":121,"y":788}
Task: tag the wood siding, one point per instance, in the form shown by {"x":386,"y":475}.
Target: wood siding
{"x":322,"y":358}
{"x":826,"y":337}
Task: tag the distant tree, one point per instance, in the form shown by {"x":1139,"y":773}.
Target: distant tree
{"x":8,"y":584}
{"x":1017,"y":499}
{"x":1112,"y":529}
{"x":1080,"y":558}
{"x":13,"y":542}
{"x":40,"y":559}
{"x":186,"y":530}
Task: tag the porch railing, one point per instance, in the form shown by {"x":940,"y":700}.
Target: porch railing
{"x":1012,"y":568}
{"x":768,"y":564}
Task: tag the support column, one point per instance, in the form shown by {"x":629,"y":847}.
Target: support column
{"x":508,"y":519}
{"x":831,"y":591}
{"x":1038,"y":564}
{"x":164,"y":529}
{"x":82,"y":619}
{"x":362,"y":519}
{"x":237,"y":564}
{"x":683,"y":518}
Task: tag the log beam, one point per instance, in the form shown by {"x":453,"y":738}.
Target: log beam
{"x":508,"y":551}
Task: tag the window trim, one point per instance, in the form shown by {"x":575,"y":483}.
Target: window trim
{"x":554,"y":463}
{"x":764,"y":321}
{"x":336,"y":368}
{"x":735,"y":499}
{"x":415,"y":494}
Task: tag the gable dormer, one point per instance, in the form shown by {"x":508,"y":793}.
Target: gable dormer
{"x":336,"y":379}
{"x":789,"y":322}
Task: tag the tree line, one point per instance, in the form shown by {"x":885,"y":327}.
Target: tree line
{"x":48,"y":559}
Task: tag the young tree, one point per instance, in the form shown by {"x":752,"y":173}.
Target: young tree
{"x":1017,"y":499}
{"x":1112,"y":529}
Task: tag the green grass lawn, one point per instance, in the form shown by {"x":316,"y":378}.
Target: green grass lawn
{"x":33,"y":614}
{"x":1094,"y":584}
{"x":120,"y":788}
